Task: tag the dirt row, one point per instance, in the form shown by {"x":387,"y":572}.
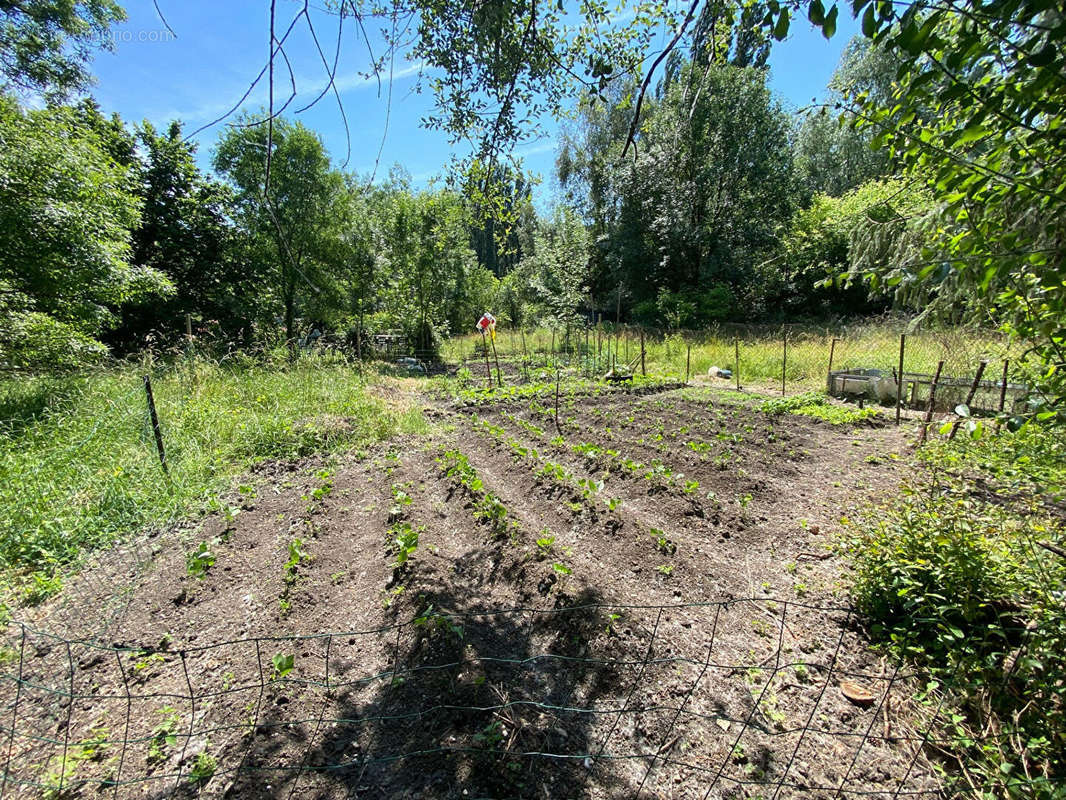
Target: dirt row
{"x":536,"y":643}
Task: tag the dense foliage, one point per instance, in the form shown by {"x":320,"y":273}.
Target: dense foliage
{"x":961,"y":581}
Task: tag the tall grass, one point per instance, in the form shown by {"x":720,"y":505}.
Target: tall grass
{"x":762,"y":350}
{"x":78,"y":465}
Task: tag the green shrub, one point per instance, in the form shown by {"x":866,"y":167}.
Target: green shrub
{"x":953,"y":577}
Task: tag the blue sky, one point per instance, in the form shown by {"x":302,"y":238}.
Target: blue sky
{"x":220,"y":46}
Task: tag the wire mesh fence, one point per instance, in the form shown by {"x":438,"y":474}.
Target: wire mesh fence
{"x":587,"y":700}
{"x":788,"y":359}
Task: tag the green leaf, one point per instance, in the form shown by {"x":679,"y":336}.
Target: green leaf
{"x":829,"y":27}
{"x":781,"y":28}
{"x":816,"y":13}
{"x":869,"y":22}
{"x":283,"y":664}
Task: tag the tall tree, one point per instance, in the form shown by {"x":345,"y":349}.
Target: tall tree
{"x":832,"y":156}
{"x":45,"y":45}
{"x":66,"y":211}
{"x":184,"y":234}
{"x":288,"y":212}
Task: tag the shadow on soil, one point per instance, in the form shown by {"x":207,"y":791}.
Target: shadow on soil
{"x":481,"y":703}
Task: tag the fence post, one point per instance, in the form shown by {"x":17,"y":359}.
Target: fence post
{"x":736,"y":359}
{"x":1003,"y":387}
{"x":899,"y":376}
{"x":155,"y":424}
{"x":643,"y":371}
{"x":932,"y":401}
{"x":829,"y":372}
{"x":969,"y":397}
{"x":784,"y":356}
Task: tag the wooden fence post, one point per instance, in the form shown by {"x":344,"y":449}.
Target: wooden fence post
{"x":969,"y":397}
{"x":829,"y":372}
{"x":899,"y":376}
{"x":932,"y":401}
{"x":496,"y":358}
{"x":485,"y":347}
{"x":1003,"y":387}
{"x":736,"y":360}
{"x":784,"y":356}
{"x":643,"y":371}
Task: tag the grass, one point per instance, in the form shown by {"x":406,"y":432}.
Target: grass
{"x":79,"y":469}
{"x":875,"y":345}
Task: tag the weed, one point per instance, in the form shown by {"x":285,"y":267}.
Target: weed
{"x":665,"y":569}
{"x":90,"y":450}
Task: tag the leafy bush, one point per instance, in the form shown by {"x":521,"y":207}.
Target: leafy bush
{"x":953,"y":576}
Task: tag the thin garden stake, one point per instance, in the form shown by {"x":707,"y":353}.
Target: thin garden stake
{"x":688,"y":363}
{"x":496,"y":358}
{"x":736,"y":359}
{"x":969,"y":397}
{"x":899,"y":376}
{"x":485,"y":347}
{"x":932,"y":403}
{"x":155,"y":425}
{"x":784,"y":356}
{"x":558,"y":428}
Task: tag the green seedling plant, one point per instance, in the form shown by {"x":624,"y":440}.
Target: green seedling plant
{"x":436,"y":621}
{"x":200,"y":560}
{"x":164,"y":735}
{"x":405,"y":541}
{"x":544,"y":545}
{"x":662,"y":543}
{"x":203,"y":767}
{"x":297,"y":555}
{"x":283,"y":664}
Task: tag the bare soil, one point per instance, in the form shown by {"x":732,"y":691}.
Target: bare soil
{"x":681,"y":631}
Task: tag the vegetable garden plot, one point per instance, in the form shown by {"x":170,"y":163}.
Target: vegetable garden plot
{"x":591,"y":699}
{"x":512,"y":621}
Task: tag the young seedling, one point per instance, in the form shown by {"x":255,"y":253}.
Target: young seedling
{"x":200,"y":560}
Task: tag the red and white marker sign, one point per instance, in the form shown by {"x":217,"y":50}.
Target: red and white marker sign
{"x":487,"y":324}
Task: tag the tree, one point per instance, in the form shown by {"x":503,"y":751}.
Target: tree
{"x":66,"y":211}
{"x":290,"y":220}
{"x":557,"y":268}
{"x":46,"y":44}
{"x":831,"y":242}
{"x":832,"y":156}
{"x":977,"y":116}
{"x":702,"y":201}
{"x":184,"y":234}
